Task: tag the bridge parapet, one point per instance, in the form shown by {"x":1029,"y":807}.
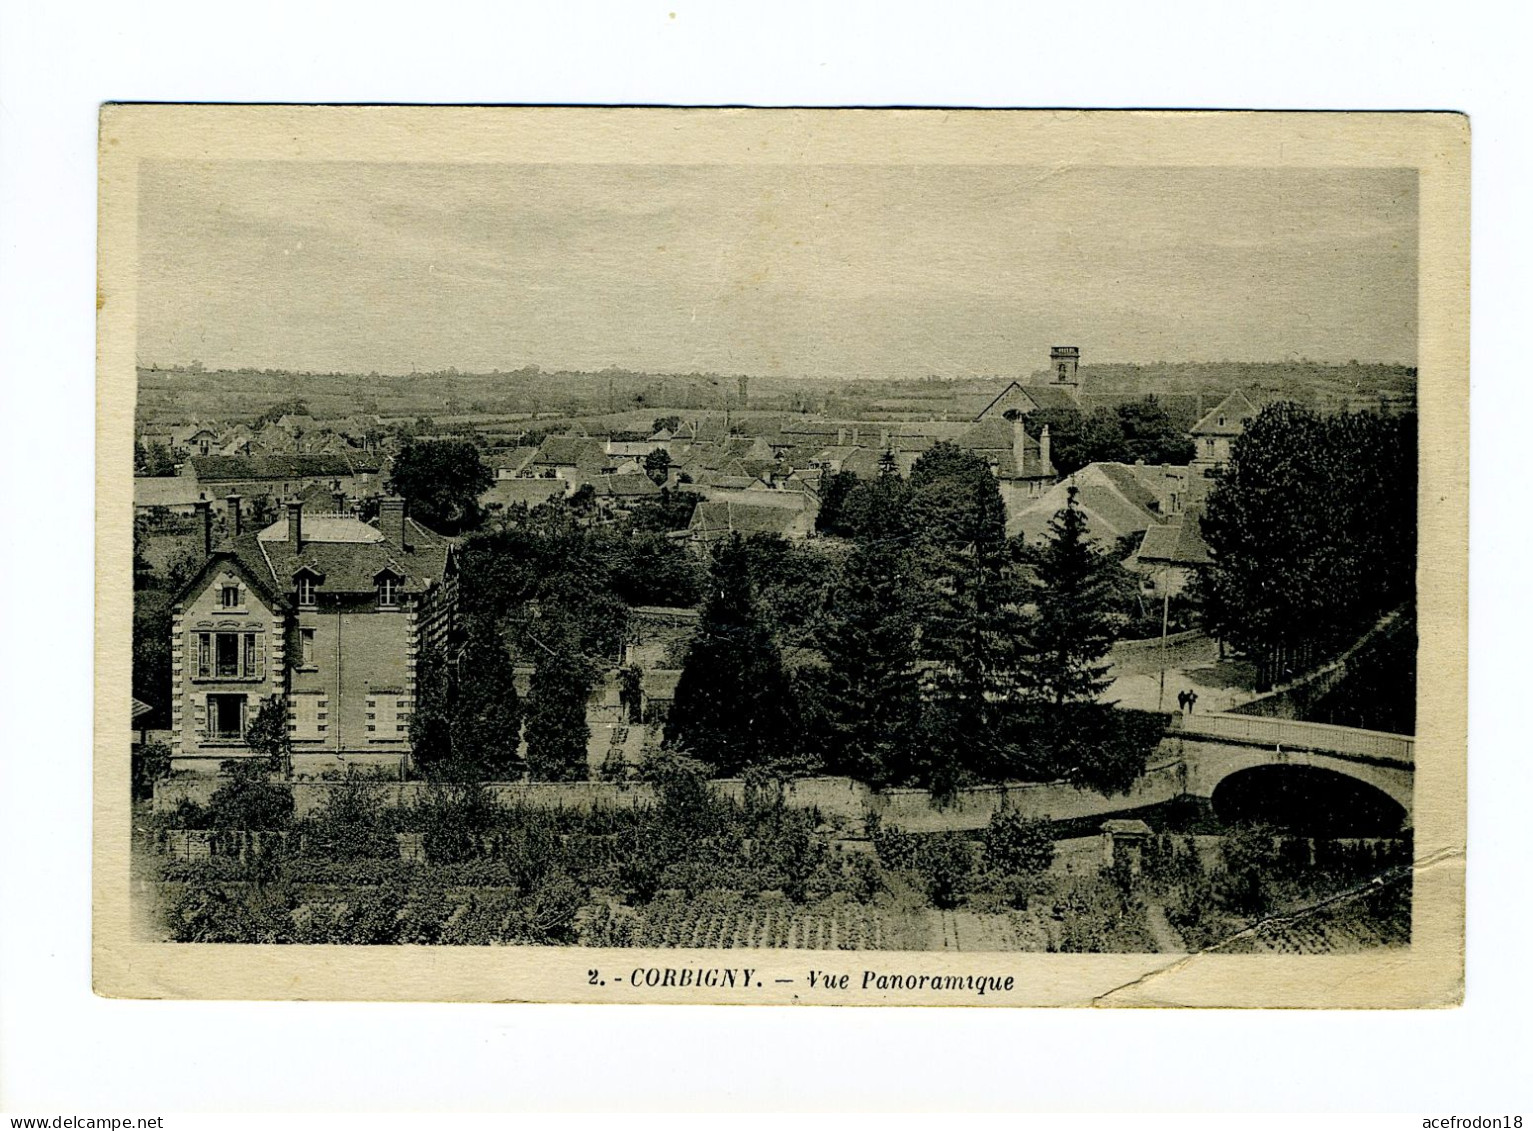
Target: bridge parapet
{"x":1397,"y":749}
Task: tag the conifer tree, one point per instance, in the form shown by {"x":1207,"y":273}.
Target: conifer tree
{"x":872,"y":689}
{"x":487,"y":713}
{"x":431,"y":745}
{"x":1073,"y":626}
{"x":733,"y":705}
{"x":562,"y":677}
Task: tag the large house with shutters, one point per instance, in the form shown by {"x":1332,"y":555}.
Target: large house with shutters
{"x":323,"y":611}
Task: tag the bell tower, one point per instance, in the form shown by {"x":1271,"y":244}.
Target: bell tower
{"x":1063,"y":361}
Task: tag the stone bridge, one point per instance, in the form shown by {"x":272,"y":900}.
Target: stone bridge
{"x":1238,"y":763}
{"x":1222,"y":753}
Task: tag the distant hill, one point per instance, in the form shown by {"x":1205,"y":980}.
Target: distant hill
{"x":177,"y":395}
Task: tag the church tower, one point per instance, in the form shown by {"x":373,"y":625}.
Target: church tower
{"x":1063,"y":361}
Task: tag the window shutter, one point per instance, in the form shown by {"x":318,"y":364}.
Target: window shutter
{"x":260,"y":652}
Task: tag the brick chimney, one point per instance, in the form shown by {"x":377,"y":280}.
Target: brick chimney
{"x":205,"y":509}
{"x":340,"y":501}
{"x":391,"y":520}
{"x":1043,"y":451}
{"x":235,"y":523}
{"x":1019,"y":447}
{"x":295,"y":523}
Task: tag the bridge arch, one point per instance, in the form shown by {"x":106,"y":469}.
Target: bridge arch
{"x":1309,"y":799}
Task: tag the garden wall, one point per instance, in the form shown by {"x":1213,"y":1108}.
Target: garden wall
{"x":912,"y":810}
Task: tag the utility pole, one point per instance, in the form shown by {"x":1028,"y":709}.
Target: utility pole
{"x":1165,"y":617}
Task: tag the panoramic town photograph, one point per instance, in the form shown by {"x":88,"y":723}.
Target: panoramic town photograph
{"x":914,"y":558}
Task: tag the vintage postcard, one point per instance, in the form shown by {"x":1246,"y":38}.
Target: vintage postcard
{"x":782,"y":556}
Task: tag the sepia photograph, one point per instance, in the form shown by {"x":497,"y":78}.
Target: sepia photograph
{"x":882,"y":560}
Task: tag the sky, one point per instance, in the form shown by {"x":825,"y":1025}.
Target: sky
{"x":818,"y":271}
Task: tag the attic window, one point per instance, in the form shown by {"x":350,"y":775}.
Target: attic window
{"x":229,"y":597}
{"x":388,"y":590}
{"x":1221,"y":422}
{"x":305,"y":589}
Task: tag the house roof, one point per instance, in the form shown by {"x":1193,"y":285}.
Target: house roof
{"x":187,"y":432}
{"x":287,"y":465}
{"x":514,"y":459}
{"x":994,"y":438}
{"x":508,"y":492}
{"x":1180,"y":543}
{"x":1114,"y":501}
{"x":1052,"y":396}
{"x":624,"y":486}
{"x":580,"y":452}
{"x":991,"y":434}
{"x":1011,"y":387}
{"x":1227,"y":418}
{"x":349,"y":554}
{"x":733,"y":482}
{"x":728,"y":516}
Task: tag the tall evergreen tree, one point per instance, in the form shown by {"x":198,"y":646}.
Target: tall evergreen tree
{"x":873,"y":697}
{"x":557,"y":732}
{"x":974,"y":630}
{"x":1073,"y":626}
{"x":431,"y":740}
{"x":487,"y":713}
{"x":733,"y":706}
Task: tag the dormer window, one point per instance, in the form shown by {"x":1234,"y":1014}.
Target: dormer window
{"x":305,"y":589}
{"x":229,"y":597}
{"x":388,"y":591}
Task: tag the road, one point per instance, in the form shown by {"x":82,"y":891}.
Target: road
{"x":1191,"y":664}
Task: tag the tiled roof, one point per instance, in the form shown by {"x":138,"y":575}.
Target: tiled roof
{"x":1112,"y":507}
{"x":515,"y":459}
{"x":213,"y":469}
{"x":1130,"y":485}
{"x":1052,"y":396}
{"x":508,"y":492}
{"x":713,"y":518}
{"x":349,"y":554}
{"x":1178,"y":544}
{"x":624,"y":486}
{"x":733,"y":482}
{"x":994,"y":437}
{"x":579,"y":452}
{"x":992,"y":434}
{"x":835,"y":453}
{"x":1227,"y":418}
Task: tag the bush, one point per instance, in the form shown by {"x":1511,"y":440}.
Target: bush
{"x":150,"y":764}
{"x":1018,"y":845}
{"x":948,"y":862}
{"x":351,"y":825}
{"x":249,"y":799}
